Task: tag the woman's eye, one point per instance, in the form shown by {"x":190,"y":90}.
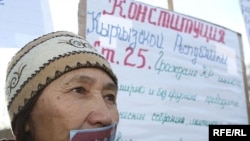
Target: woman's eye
{"x":110,"y":99}
{"x":79,"y":90}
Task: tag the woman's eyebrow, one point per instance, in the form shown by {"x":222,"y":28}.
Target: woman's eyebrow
{"x":81,"y":78}
{"x":90,"y":80}
{"x":111,"y":86}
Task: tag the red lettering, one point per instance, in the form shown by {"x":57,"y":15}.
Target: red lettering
{"x":177,"y":22}
{"x":187,"y":24}
{"x":141,"y":13}
{"x":117,"y":4}
{"x":222,"y":35}
{"x":174,"y":25}
{"x":196,"y":29}
{"x":132,"y":11}
{"x":163,"y":19}
{"x":109,"y":53}
{"x":150,"y":16}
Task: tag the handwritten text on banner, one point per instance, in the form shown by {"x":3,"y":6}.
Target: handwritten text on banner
{"x":177,"y":74}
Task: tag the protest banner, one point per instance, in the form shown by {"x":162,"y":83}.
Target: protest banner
{"x":177,"y":74}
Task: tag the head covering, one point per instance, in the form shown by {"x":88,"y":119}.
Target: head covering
{"x":45,"y":59}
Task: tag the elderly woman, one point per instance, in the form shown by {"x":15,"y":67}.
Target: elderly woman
{"x":58,"y":87}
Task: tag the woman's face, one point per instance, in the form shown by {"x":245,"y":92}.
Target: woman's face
{"x":80,"y":99}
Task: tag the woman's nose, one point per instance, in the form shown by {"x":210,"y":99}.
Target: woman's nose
{"x":100,"y":114}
